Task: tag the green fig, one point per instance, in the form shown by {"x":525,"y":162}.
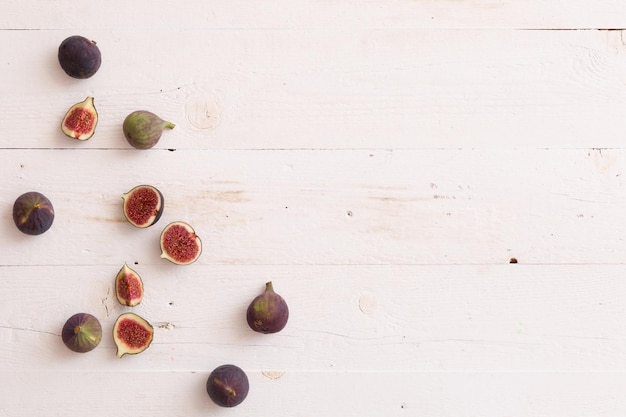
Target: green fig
{"x":143,"y":129}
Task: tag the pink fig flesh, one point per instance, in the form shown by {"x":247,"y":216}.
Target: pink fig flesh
{"x":80,"y":120}
{"x":143,"y":205}
{"x":128,"y":287}
{"x":132,"y":334}
{"x":180,"y":244}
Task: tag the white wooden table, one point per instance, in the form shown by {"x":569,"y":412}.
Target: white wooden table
{"x":382,"y":162}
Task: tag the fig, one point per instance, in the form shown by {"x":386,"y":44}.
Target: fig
{"x":143,"y":205}
{"x":132,"y":334}
{"x":143,"y":129}
{"x":227,"y":385}
{"x":180,"y":244}
{"x":128,"y":286}
{"x":82,"y":332}
{"x":79,"y":57}
{"x":268,"y":312}
{"x":33,"y":213}
{"x":80,"y":120}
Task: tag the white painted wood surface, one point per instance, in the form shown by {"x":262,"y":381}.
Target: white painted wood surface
{"x":380,"y":162}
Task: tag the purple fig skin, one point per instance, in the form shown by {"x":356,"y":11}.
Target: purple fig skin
{"x":79,"y":57}
{"x":268,"y":312}
{"x":228,"y":385}
{"x":33,"y":213}
{"x":81,"y":333}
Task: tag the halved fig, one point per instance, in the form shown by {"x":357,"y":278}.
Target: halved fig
{"x":143,"y":205}
{"x":81,"y":333}
{"x":80,"y":120}
{"x":132,"y":334}
{"x":128,"y":286}
{"x":180,"y":244}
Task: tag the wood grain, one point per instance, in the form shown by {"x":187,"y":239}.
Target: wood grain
{"x":347,"y":89}
{"x":327,"y":207}
{"x":314,"y":14}
{"x":442,"y":394}
{"x":435,"y":186}
{"x":390,"y":318}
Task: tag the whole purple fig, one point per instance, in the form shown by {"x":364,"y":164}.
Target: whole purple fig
{"x":228,"y":385}
{"x":33,"y":213}
{"x":268,"y":312}
{"x":79,"y":57}
{"x":81,"y":333}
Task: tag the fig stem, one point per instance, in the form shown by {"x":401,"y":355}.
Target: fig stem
{"x":169,"y":125}
{"x":269,"y":286}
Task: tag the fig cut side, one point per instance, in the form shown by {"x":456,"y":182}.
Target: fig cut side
{"x":143,"y":205}
{"x":180,"y":244}
{"x":80,"y":120}
{"x":81,"y":333}
{"x":132,"y":334}
{"x":33,"y":213}
{"x":128,"y":287}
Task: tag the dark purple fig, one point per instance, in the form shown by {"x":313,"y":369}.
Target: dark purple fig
{"x":33,"y":213}
{"x":180,"y":244}
{"x":268,"y":312}
{"x":79,"y":57}
{"x":128,"y":287}
{"x":82,"y":332}
{"x":143,"y":129}
{"x":80,"y":120}
{"x":143,"y":205}
{"x":132,"y":334}
{"x":227,"y":385}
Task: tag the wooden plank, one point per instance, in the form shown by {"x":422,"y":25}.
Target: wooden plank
{"x":314,"y":14}
{"x":302,"y":394}
{"x":384,"y":319}
{"x":326,"y":207}
{"x":329,"y":89}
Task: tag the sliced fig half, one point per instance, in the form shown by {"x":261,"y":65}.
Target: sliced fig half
{"x":132,"y":334}
{"x":128,"y":286}
{"x":80,"y":120}
{"x":143,"y":205}
{"x":180,"y":244}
